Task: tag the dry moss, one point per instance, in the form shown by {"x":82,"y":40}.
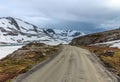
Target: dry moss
{"x":16,"y":63}
{"x":111,"y":62}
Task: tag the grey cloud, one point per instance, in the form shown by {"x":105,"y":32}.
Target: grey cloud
{"x":92,"y":15}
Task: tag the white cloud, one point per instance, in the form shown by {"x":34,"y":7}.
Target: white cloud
{"x":113,"y":4}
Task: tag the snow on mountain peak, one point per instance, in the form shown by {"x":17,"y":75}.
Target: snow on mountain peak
{"x":13,"y":30}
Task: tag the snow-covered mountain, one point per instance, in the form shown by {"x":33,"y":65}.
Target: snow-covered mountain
{"x":13,"y":30}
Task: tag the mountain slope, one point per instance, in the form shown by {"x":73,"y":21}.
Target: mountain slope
{"x":101,"y":37}
{"x":13,"y":30}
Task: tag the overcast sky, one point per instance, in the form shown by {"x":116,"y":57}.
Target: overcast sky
{"x":84,"y":15}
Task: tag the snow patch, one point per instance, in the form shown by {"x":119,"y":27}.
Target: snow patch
{"x":5,"y":50}
{"x":115,"y":43}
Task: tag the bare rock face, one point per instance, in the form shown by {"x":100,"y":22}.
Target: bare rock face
{"x":13,"y":22}
{"x":97,"y":37}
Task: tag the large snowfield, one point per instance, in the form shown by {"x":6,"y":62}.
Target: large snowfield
{"x":5,"y":50}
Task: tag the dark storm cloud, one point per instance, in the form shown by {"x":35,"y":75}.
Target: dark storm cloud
{"x":85,"y":15}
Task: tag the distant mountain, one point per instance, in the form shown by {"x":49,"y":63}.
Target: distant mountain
{"x":14,"y":30}
{"x":109,"y":38}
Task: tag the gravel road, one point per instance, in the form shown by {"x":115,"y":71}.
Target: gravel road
{"x":72,"y":64}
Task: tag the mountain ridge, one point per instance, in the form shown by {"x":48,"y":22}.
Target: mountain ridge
{"x":14,"y":30}
{"x":100,"y":37}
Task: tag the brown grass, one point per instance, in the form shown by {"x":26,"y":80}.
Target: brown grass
{"x":11,"y":67}
{"x":111,"y":62}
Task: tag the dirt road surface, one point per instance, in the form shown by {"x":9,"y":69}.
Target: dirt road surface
{"x":72,"y":64}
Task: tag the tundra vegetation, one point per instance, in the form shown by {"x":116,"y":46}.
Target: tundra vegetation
{"x":109,"y":56}
{"x":24,"y":59}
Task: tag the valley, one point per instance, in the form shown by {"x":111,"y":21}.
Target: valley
{"x":27,"y":53}
{"x":60,"y":41}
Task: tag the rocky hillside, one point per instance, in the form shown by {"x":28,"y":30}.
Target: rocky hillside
{"x":105,"y":45}
{"x":13,"y":30}
{"x":23,"y":59}
{"x":101,"y":37}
